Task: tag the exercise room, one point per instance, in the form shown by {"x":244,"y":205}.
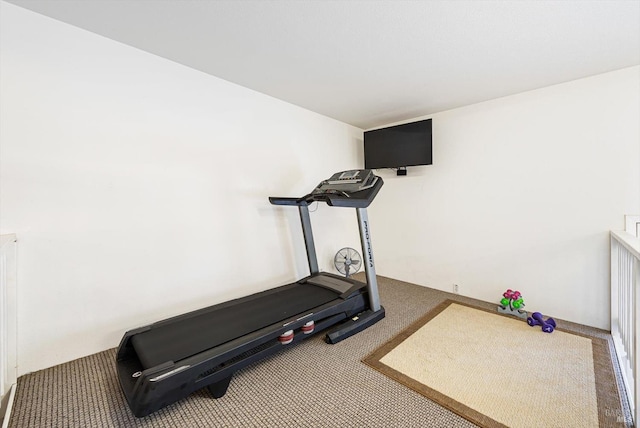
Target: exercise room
{"x":319,"y":213}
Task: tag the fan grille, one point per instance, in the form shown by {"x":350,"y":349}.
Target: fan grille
{"x":347,"y":261}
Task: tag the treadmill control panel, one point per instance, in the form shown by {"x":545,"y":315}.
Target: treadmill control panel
{"x":346,"y":182}
{"x":354,"y":188}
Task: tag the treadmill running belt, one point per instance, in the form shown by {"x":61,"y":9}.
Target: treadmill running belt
{"x":185,"y":337}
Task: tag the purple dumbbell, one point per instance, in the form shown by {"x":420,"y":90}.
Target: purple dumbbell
{"x":547,"y":325}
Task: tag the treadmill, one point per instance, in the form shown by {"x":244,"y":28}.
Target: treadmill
{"x":164,"y":362}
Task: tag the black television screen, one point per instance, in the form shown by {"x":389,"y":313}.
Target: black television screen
{"x":398,"y":146}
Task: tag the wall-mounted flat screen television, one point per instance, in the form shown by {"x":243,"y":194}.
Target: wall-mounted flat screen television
{"x":398,"y":146}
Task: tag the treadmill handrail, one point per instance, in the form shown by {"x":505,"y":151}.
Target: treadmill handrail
{"x":277,"y":200}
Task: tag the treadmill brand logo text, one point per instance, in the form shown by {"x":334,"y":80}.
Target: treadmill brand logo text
{"x":366,"y":235}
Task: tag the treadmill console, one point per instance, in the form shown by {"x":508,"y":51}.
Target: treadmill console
{"x":346,"y":182}
{"x":354,"y":188}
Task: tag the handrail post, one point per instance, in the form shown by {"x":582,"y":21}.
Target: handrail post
{"x":635,"y":281}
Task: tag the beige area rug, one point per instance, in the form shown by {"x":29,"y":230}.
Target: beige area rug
{"x":497,"y":371}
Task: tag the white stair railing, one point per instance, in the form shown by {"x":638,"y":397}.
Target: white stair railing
{"x":8,"y":327}
{"x":625,"y":317}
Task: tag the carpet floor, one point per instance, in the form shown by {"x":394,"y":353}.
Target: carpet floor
{"x":312,"y":384}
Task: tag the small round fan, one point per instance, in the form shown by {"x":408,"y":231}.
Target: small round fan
{"x":347,"y":261}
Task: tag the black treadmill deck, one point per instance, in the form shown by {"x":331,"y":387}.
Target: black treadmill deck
{"x":189,"y":336}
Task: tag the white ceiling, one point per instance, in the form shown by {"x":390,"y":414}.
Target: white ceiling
{"x":371,"y":63}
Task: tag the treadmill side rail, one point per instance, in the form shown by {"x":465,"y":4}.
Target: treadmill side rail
{"x":355,"y":325}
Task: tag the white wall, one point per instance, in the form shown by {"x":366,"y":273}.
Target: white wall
{"x":138,"y":187}
{"x":521,"y":194}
